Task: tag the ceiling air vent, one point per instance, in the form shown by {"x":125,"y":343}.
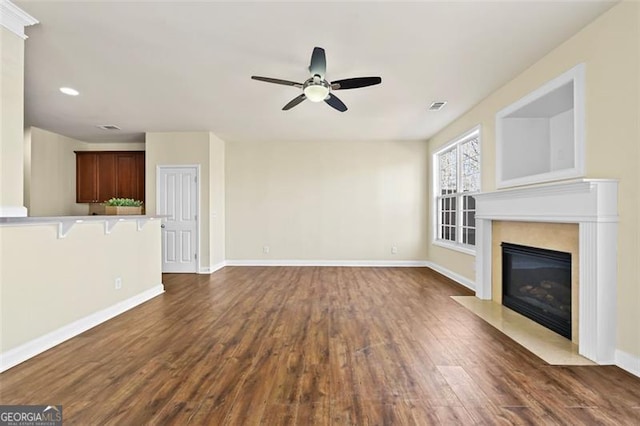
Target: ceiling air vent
{"x":108,"y":127}
{"x":437,"y":106}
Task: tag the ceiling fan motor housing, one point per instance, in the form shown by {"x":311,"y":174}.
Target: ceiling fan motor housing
{"x":316,"y":89}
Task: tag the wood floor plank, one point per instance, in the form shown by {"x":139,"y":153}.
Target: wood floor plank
{"x":453,"y":416}
{"x":312,"y":346}
{"x":465,"y":388}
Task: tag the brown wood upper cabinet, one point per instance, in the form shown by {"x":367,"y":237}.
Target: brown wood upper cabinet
{"x":101,"y":175}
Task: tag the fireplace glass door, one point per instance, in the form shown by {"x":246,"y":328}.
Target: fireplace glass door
{"x":537,"y":284}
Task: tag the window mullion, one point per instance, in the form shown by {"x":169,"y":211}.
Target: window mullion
{"x":459,"y":194}
{"x":438,"y":194}
{"x":438,"y":217}
{"x":459,"y":227}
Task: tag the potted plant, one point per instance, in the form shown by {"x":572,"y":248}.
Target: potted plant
{"x":121,"y":206}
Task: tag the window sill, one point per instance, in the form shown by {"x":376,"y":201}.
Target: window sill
{"x":457,"y":247}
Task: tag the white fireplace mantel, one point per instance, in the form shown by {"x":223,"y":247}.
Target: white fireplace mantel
{"x":593,"y":205}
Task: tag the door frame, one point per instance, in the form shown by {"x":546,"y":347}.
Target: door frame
{"x":159,"y":167}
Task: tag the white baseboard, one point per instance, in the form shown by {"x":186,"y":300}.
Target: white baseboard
{"x":628,"y":362}
{"x":36,"y":346}
{"x":471,"y":285}
{"x":212,"y":269}
{"x":348,"y":263}
{"x":218,"y":266}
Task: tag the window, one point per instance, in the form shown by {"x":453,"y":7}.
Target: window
{"x":457,"y":179}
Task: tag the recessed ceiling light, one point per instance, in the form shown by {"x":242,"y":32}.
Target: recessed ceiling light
{"x":437,"y":105}
{"x":69,"y":91}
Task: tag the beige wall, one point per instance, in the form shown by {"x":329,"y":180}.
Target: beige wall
{"x":183,"y":148}
{"x":217,"y":239}
{"x":50,"y":171}
{"x":326,"y":200}
{"x":11,"y":119}
{"x":610,"y":48}
{"x":113,"y":146}
{"x":52,"y":178}
{"x":26,"y":167}
{"x":44,"y":294}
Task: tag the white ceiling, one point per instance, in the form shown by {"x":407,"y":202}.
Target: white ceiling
{"x":186,"y":66}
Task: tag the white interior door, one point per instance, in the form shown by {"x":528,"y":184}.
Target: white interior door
{"x":178,"y":199}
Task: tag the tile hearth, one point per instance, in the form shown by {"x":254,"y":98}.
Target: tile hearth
{"x":547,"y":345}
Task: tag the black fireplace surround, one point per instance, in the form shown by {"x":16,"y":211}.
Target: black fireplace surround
{"x":537,"y":283}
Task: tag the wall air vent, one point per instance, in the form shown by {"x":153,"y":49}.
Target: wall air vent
{"x":437,"y":106}
{"x":108,"y":127}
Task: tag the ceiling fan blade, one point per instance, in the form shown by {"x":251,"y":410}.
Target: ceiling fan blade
{"x":336,"y":103}
{"x":277,"y":81}
{"x":295,"y":101}
{"x":354,"y":83}
{"x":318,"y":63}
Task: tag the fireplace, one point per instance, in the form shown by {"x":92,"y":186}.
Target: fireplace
{"x":592,"y":204}
{"x":536,"y":283}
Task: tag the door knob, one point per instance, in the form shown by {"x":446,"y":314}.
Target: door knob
{"x":162,"y":226}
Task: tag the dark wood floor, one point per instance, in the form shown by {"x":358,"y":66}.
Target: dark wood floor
{"x":306,"y":345}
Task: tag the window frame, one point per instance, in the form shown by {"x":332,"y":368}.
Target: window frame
{"x":455,"y":143}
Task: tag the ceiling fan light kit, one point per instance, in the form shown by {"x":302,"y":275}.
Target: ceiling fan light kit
{"x":317,"y":88}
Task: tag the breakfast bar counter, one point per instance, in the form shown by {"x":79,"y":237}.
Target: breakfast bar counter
{"x":62,"y":275}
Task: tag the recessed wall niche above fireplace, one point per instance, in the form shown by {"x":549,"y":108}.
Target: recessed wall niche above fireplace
{"x":540,"y":137}
{"x":536,"y":283}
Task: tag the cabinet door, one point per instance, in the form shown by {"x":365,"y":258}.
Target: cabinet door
{"x":126,"y":181}
{"x":107,"y":173}
{"x":86,"y":177}
{"x":140,"y":170}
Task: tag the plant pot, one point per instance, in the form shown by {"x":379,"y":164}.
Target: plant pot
{"x":122,"y":210}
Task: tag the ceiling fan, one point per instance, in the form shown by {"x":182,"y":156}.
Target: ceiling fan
{"x":316,"y":88}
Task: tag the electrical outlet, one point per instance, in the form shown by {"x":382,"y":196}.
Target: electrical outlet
{"x":265,"y":249}
{"x":394,"y":250}
{"x":118,"y":283}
